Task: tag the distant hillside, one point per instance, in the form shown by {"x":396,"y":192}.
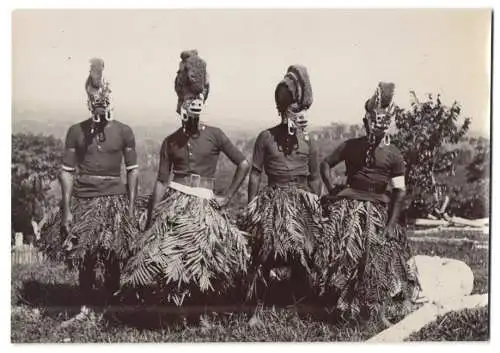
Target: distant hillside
{"x":158,"y":130}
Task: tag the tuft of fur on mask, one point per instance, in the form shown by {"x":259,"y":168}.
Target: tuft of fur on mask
{"x":97,"y":87}
{"x":294,"y":91}
{"x":192,"y":78}
{"x":380,"y":107}
{"x":382,"y":98}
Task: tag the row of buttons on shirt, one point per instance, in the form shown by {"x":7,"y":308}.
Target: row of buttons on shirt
{"x":190,"y":153}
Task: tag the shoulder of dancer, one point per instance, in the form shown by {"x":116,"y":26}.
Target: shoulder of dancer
{"x":124,"y":128}
{"x":394,"y":150}
{"x":77,"y":128}
{"x":268,"y":131}
{"x":215,"y":132}
{"x":275,"y":130}
{"x":355,"y":142}
{"x":264,"y":135}
{"x":209,"y":128}
{"x":174,"y":135}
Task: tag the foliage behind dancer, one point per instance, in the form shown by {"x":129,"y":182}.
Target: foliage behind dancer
{"x":284,"y":218}
{"x":190,"y":242}
{"x":95,"y":213}
{"x":365,"y":264}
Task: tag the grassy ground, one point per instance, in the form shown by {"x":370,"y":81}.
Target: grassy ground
{"x":470,"y":235}
{"x":463,"y":325}
{"x":45,"y":295}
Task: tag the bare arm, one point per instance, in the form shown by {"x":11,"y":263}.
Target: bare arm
{"x":132,"y":182}
{"x":325,"y":175}
{"x":253,"y":183}
{"x":240,"y":175}
{"x":235,"y":156}
{"x":258,"y":159}
{"x":398,"y":194}
{"x":66,"y":177}
{"x":397,"y":197}
{"x":330,"y":162}
{"x":315,"y":184}
{"x":314,"y":178}
{"x":158,"y":193}
{"x":66,"y":181}
{"x":162,"y":180}
{"x":130,"y":157}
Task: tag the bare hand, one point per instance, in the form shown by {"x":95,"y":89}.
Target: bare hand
{"x":389,"y":232}
{"x":221,"y":201}
{"x":251,"y":199}
{"x":69,"y":239}
{"x":67,"y":221}
{"x":131,"y":212}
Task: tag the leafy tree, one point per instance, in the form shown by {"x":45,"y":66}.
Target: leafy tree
{"x":479,"y":168}
{"x":428,"y":134}
{"x":34,"y":168}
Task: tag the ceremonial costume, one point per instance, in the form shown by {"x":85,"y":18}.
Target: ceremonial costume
{"x":284,"y":219}
{"x":190,"y":243}
{"x":96,"y":197}
{"x":362,"y":261}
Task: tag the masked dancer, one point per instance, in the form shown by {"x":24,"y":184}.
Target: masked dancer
{"x":97,"y":206}
{"x":191,"y":244}
{"x":284,"y":218}
{"x":364,"y":267}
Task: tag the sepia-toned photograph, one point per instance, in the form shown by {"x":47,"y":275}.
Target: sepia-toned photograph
{"x":250,"y":175}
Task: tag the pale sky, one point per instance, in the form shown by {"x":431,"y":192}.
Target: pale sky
{"x":247,"y":52}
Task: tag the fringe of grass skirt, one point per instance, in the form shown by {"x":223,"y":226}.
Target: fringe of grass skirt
{"x":190,"y":246}
{"x":284,"y":223}
{"x":360,"y":269}
{"x":100,"y":224}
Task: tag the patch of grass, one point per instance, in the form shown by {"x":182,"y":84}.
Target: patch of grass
{"x":281,"y":325}
{"x":463,"y":325}
{"x":453,"y":234}
{"x":46,"y":284}
{"x":45,"y":295}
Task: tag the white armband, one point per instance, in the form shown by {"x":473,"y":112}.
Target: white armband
{"x":398,"y":182}
{"x":132,"y":167}
{"x":68,"y":169}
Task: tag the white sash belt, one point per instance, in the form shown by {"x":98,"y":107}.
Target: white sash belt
{"x":195,"y":191}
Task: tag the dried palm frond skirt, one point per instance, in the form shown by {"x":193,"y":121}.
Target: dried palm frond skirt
{"x":191,"y":245}
{"x":360,"y":268}
{"x":100,"y":225}
{"x":284,"y":223}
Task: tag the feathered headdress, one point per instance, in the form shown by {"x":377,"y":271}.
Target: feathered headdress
{"x":294,"y":90}
{"x":97,"y":87}
{"x":192,"y":78}
{"x":380,"y":107}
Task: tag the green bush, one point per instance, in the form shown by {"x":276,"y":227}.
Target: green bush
{"x":35,"y":164}
{"x":429,"y":136}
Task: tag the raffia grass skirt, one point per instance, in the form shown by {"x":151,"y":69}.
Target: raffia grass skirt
{"x":360,"y":268}
{"x":191,"y":245}
{"x":284,"y":223}
{"x":100,"y":225}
